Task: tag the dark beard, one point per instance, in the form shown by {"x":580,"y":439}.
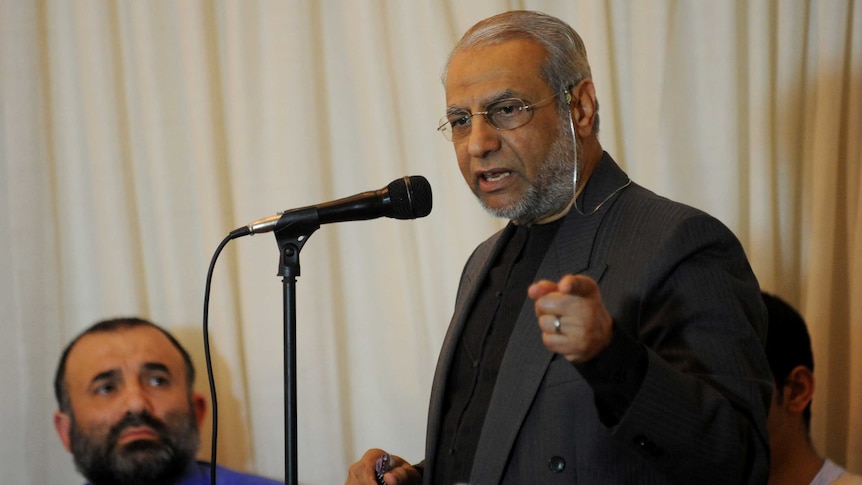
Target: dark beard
{"x":141,"y":462}
{"x":554,"y":185}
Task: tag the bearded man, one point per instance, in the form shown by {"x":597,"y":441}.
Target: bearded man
{"x":127,"y":409}
{"x":607,"y":334}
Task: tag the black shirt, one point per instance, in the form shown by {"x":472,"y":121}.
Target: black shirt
{"x":483,"y":342}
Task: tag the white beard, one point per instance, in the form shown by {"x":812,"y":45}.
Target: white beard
{"x":554,"y":186}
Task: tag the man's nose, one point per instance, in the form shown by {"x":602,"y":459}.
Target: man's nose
{"x":484,"y":138}
{"x":137,"y":399}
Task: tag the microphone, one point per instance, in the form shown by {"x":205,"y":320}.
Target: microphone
{"x":404,"y":198}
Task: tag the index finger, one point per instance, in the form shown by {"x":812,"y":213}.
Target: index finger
{"x":577,"y":285}
{"x":541,"y":288}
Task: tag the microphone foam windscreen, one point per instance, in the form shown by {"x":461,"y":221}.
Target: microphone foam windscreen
{"x":410,"y":197}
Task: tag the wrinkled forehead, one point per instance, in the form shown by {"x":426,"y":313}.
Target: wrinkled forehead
{"x":481,"y":73}
{"x":125,"y":351}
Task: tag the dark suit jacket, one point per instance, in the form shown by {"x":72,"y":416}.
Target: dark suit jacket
{"x":675,"y":280}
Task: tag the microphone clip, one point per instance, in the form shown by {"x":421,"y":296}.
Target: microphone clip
{"x":291,"y":233}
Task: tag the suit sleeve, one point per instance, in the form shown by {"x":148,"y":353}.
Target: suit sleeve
{"x":697,"y":408}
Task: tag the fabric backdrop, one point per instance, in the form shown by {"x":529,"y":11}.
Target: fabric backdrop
{"x":135,"y":135}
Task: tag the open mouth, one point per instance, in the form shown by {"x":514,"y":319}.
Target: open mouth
{"x":495,"y":176}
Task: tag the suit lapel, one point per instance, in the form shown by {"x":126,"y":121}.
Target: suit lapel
{"x":527,"y":358}
{"x":474,"y":274}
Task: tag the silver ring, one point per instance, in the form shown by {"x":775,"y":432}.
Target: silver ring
{"x":557,"y":324}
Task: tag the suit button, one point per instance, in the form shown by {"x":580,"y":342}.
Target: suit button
{"x":557,"y":464}
{"x":643,"y":443}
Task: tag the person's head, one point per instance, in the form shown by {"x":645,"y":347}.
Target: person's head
{"x":127,"y":409}
{"x":788,"y":350}
{"x":522,"y":172}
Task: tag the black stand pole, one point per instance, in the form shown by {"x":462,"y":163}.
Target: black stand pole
{"x":290,"y":420}
{"x":290,"y":241}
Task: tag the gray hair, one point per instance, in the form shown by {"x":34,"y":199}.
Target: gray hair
{"x":566,"y":64}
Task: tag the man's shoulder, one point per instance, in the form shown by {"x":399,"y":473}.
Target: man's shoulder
{"x":646,"y":203}
{"x":640,"y":210}
{"x":848,"y":479}
{"x":833,"y":474}
{"x":225,"y":476}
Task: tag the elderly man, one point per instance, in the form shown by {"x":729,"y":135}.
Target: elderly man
{"x":606,"y":335}
{"x":128,"y":413}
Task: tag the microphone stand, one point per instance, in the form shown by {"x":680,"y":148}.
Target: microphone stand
{"x":290,"y":240}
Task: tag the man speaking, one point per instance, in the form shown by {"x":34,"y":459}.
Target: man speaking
{"x":607,"y":334}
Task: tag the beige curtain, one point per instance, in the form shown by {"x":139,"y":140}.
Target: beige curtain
{"x":135,"y":135}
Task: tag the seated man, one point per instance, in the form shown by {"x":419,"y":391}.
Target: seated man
{"x":128,"y":413}
{"x":793,"y":457}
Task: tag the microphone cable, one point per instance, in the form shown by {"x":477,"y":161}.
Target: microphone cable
{"x":208,"y":356}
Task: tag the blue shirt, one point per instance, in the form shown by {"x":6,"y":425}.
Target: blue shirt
{"x":199,"y":474}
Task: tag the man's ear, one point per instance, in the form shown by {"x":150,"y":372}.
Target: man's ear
{"x":800,"y":383}
{"x":583,"y":107}
{"x":199,"y":406}
{"x":63,"y":423}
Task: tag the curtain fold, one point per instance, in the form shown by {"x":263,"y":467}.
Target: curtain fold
{"x":135,"y":135}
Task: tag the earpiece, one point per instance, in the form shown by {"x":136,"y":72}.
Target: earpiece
{"x":568,"y":97}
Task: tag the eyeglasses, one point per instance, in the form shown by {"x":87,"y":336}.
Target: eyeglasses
{"x":506,"y":114}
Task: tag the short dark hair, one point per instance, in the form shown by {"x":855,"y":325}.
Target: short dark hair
{"x":61,"y":390}
{"x":787,"y":344}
